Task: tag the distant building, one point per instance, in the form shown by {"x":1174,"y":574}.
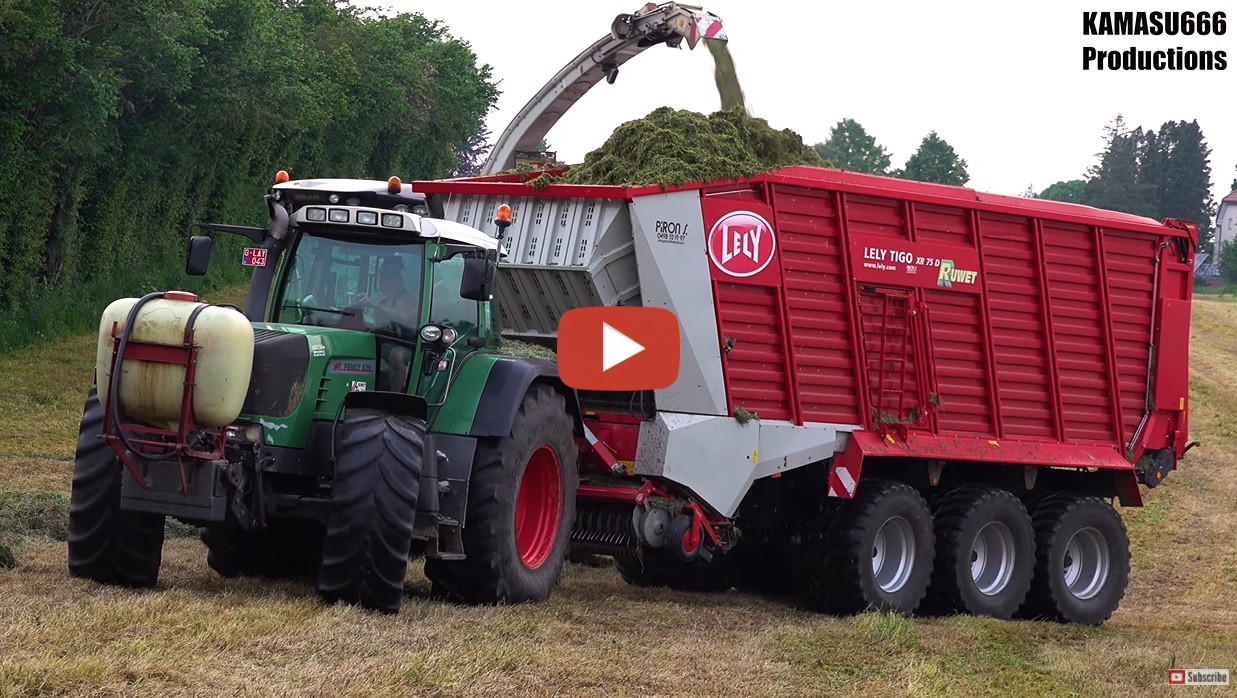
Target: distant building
{"x":1225,"y":232}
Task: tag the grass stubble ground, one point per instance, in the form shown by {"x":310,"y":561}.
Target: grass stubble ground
{"x":198,"y":634}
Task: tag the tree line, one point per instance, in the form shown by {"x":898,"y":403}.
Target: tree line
{"x":1164,"y":173}
{"x":850,"y":147}
{"x":124,"y":122}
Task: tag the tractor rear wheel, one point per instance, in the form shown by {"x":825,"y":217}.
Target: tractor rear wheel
{"x":373,"y":502}
{"x":106,"y":543}
{"x":521,"y":508}
{"x":282,"y":550}
{"x":1082,"y":560}
{"x":878,"y":554}
{"x":985,"y":553}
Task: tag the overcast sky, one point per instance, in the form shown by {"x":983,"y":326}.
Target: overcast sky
{"x":1001,"y":82}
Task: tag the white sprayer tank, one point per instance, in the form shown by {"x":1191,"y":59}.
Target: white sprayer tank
{"x":153,"y":392}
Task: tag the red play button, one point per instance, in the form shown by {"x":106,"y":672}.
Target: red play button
{"x":618,"y":348}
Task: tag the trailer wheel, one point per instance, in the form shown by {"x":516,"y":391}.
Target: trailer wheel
{"x":878,"y":553}
{"x":521,"y":508}
{"x":1082,"y":560}
{"x":370,"y":518}
{"x":106,"y":543}
{"x":985,"y":553}
{"x":657,"y":568}
{"x":283,"y":550}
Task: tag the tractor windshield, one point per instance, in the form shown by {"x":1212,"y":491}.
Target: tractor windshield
{"x":354,"y":284}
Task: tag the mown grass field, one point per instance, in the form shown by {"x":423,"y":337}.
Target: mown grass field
{"x":198,"y":634}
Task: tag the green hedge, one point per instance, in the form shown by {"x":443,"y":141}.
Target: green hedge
{"x":122,"y":123}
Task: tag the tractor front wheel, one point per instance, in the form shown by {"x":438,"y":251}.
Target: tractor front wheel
{"x":373,"y":503}
{"x":106,"y":543}
{"x":521,"y":507}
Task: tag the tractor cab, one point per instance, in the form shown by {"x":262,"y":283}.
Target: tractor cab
{"x":365,"y":256}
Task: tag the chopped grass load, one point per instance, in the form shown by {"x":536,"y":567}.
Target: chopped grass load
{"x":675,"y":146}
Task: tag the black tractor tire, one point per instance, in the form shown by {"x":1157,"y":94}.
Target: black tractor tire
{"x":106,"y":543}
{"x":658,"y":568}
{"x":282,"y":550}
{"x":974,"y":521}
{"x":373,"y":503}
{"x":1082,"y":560}
{"x":886,"y":516}
{"x":496,"y":569}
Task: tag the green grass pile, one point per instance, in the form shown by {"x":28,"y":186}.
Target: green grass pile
{"x":525,"y":350}
{"x":8,"y":559}
{"x":673,"y":146}
{"x":34,"y":512}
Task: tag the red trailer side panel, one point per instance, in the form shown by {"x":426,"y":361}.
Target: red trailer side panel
{"x":1075,"y":314}
{"x":1026,"y":389}
{"x":817,"y":305}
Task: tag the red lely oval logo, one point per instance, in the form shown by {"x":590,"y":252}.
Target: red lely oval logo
{"x":742,"y":243}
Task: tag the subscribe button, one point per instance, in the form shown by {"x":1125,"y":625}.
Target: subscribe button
{"x":618,"y":348}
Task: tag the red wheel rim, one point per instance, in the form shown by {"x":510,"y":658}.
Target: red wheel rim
{"x":538,"y":507}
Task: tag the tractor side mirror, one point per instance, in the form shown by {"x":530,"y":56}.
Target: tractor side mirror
{"x":476,"y":280}
{"x":199,"y":255}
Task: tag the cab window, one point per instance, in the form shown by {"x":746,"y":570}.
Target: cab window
{"x":446,"y":306}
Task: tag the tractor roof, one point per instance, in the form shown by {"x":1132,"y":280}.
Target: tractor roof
{"x":350,"y":192}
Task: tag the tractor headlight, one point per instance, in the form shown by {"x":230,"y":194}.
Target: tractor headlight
{"x":339,"y":215}
{"x":367,"y":218}
{"x":449,"y":335}
{"x":431,"y":333}
{"x":316,"y":215}
{"x":251,"y":433}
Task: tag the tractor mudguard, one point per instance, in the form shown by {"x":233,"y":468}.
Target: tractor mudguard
{"x":394,"y":403}
{"x":505,"y":388}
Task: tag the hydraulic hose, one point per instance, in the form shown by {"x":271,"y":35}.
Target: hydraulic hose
{"x":113,"y":395}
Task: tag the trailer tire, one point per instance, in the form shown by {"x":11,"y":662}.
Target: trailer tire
{"x":985,"y":553}
{"x":1082,"y":560}
{"x":106,"y":543}
{"x":877,"y":554}
{"x":760,"y":568}
{"x":283,"y":550}
{"x":657,"y":568}
{"x":521,"y":509}
{"x":373,"y":503}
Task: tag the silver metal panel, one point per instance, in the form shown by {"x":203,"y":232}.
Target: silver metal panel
{"x":668,"y":232}
{"x":712,"y":456}
{"x":717,"y":458}
{"x":562,"y":253}
{"x":785,"y":446}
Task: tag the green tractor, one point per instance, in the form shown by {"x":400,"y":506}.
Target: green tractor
{"x":355,"y":416}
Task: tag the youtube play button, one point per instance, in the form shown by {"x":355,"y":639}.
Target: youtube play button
{"x":618,"y":348}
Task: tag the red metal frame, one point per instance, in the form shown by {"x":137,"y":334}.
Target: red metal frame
{"x":637,"y":496}
{"x":153,"y":441}
{"x":623,"y":495}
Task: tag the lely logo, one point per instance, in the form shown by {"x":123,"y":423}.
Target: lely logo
{"x":742,"y":243}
